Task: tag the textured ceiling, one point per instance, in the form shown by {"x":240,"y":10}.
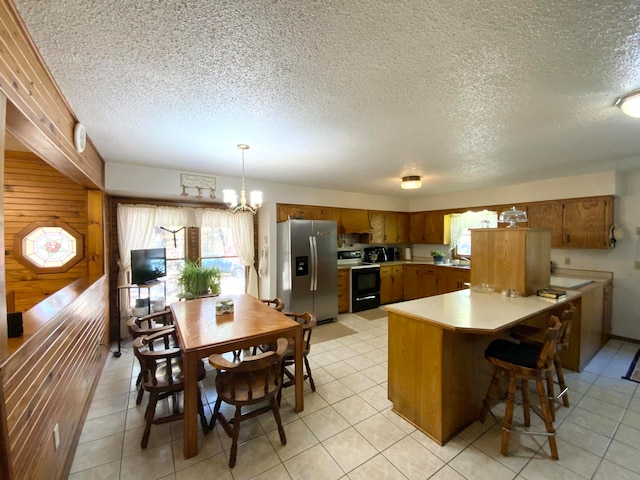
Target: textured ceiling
{"x":350,"y":95}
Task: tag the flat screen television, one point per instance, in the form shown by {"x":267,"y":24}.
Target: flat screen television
{"x":148,"y":265}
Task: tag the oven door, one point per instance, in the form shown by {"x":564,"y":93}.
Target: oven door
{"x":365,"y":288}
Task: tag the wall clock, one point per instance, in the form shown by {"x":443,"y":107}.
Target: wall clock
{"x":80,"y":137}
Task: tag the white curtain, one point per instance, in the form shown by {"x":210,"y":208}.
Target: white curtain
{"x":135,"y":231}
{"x":241,"y":227}
{"x":460,"y":222}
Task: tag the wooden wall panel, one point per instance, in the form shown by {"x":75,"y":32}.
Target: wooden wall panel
{"x":49,"y":380}
{"x":35,"y":191}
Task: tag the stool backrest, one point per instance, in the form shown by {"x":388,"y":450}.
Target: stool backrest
{"x":548,"y":351}
{"x":566,"y":318}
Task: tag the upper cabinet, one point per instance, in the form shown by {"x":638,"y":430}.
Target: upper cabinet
{"x":575,"y":223}
{"x":429,"y":227}
{"x":389,"y":227}
{"x":354,"y":220}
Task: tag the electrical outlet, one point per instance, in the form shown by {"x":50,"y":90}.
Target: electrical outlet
{"x":567,"y":260}
{"x":56,"y":437}
{"x":636,"y":265}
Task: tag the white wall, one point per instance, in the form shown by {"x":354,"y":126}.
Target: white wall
{"x":124,"y":179}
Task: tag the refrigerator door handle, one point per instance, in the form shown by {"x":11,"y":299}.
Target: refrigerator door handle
{"x":314,"y":263}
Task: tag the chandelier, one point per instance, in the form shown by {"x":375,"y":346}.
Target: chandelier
{"x":231,"y":198}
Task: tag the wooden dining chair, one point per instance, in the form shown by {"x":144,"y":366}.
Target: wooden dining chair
{"x":535,"y":336}
{"x":148,"y":325}
{"x":162,"y":377}
{"x":308,"y":322}
{"x":276,"y":303}
{"x":256,"y":379}
{"x":522,"y":362}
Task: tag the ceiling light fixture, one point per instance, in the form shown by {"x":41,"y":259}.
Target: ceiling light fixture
{"x":231,"y":199}
{"x":630,"y":103}
{"x":410,"y":182}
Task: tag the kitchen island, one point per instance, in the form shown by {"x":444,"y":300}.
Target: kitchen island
{"x":437,"y":372}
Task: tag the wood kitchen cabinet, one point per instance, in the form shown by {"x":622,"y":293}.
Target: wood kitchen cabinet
{"x":307,"y":212}
{"x":420,"y":280}
{"x":452,"y":279}
{"x":389,"y":227}
{"x":429,"y":227}
{"x":391,"y":283}
{"x":547,"y":215}
{"x":344,"y":290}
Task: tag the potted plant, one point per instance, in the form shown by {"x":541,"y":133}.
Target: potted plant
{"x":197,"y":280}
{"x":437,"y":256}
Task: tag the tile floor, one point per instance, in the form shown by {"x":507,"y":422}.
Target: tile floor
{"x":348,"y":431}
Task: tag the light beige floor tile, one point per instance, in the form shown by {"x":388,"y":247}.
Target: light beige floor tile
{"x":444,"y":452}
{"x":107,"y":406}
{"x":624,"y":455}
{"x":321,"y":376}
{"x":625,"y":387}
{"x":254,"y":457}
{"x":209,"y":445}
{"x":490,"y":443}
{"x":212,"y":467}
{"x":334,"y":391}
{"x":357,"y":382}
{"x":325,"y":358}
{"x":299,"y":439}
{"x":376,"y":373}
{"x":592,"y":421}
{"x":609,"y":396}
{"x":380,"y":431}
{"x":249,"y":429}
{"x":354,"y":409}
{"x":349,"y":449}
{"x":609,"y":471}
{"x":325,"y":423}
{"x":576,"y":459}
{"x":472,"y":463}
{"x":583,"y":437}
{"x":361,"y":362}
{"x":627,"y":435}
{"x":632,"y":419}
{"x":363,"y":347}
{"x":345,"y":352}
{"x":545,"y":469}
{"x":101,"y":427}
{"x":108,"y":471}
{"x":98,"y":452}
{"x":314,"y":463}
{"x":276,"y":473}
{"x":398,"y":421}
{"x":376,"y":397}
{"x":158,"y":435}
{"x":340,"y":369}
{"x":152,"y":462}
{"x":447,"y":473}
{"x":412,"y":459}
{"x":312,"y":403}
{"x":378,"y":468}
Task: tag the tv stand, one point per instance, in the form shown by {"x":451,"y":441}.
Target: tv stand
{"x":140,"y":288}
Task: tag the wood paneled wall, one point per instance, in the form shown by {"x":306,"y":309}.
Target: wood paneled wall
{"x":51,"y":378}
{"x":35,"y":191}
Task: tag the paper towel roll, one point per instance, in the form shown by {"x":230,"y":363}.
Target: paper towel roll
{"x":407,"y":253}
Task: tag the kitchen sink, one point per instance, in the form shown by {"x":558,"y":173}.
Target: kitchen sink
{"x":464,"y":267}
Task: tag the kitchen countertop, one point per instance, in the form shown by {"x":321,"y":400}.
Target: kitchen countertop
{"x":475,"y":312}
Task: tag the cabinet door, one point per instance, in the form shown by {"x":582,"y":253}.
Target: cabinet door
{"x":343,"y":290}
{"x":377,"y":227}
{"x":434,"y":227}
{"x":451,"y":279}
{"x":416,"y":227}
{"x":412,"y":282}
{"x":586,"y":222}
{"x":390,"y":227}
{"x":547,"y":215}
{"x":428,"y":281}
{"x":386,"y":285}
{"x":403,"y":228}
{"x":397,"y":283}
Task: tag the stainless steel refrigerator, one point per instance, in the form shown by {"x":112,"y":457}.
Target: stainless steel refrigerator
{"x":308,"y":267}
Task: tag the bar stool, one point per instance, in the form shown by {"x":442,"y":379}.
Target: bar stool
{"x":533,"y":335}
{"x":522,"y":362}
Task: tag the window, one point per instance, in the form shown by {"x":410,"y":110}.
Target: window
{"x":461,"y":223}
{"x":49,"y":247}
{"x":217,"y":247}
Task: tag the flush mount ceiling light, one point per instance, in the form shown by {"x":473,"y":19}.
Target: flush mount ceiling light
{"x":231,"y":199}
{"x":410,"y":182}
{"x":630,"y":103}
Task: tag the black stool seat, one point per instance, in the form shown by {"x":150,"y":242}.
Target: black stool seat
{"x":511,"y":352}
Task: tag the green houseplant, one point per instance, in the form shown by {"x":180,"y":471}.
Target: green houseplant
{"x":197,"y":280}
{"x":437,"y":256}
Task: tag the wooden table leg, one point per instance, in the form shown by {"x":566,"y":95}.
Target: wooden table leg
{"x":190,"y":424}
{"x":299,"y":371}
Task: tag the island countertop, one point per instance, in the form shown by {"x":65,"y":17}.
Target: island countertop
{"x":474,"y":312}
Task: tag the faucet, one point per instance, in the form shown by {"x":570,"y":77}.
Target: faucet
{"x":465,"y":259}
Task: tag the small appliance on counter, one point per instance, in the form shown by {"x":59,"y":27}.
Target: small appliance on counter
{"x":375,"y":254}
{"x":393,"y":254}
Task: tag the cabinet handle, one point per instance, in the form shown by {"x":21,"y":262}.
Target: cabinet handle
{"x":568,"y":238}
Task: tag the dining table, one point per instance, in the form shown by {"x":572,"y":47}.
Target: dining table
{"x":202,"y":333}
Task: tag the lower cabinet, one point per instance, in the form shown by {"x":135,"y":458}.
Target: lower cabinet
{"x":451,"y":279}
{"x":391,"y":284}
{"x":420,"y":281}
{"x":344,"y":290}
